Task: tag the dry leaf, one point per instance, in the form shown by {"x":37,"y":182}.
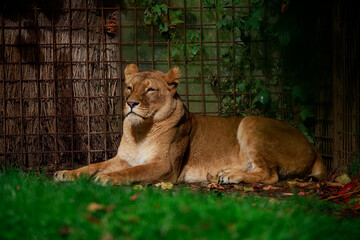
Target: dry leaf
{"x":344,"y":178}
{"x":292,"y":183}
{"x":165,"y":185}
{"x":66,"y":230}
{"x":273,"y":200}
{"x":334,"y":184}
{"x":110,"y":208}
{"x":93,"y":207}
{"x":248,"y":189}
{"x":271,"y":188}
{"x":134,"y":197}
{"x":238,"y":187}
{"x":138,"y":187}
{"x":107,"y":237}
{"x":287,"y":194}
{"x":214,"y":186}
{"x":92,"y":219}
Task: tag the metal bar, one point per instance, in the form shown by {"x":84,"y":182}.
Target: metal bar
{"x":152,"y":44}
{"x":71,"y":89}
{"x":120,"y":67}
{"x":233,"y":63}
{"x":185,"y":59}
{"x":3,"y":78}
{"x":135,"y":28}
{"x":129,"y":43}
{"x":104,"y":77}
{"x":249,"y":73}
{"x":87,"y":82}
{"x":217,"y":64}
{"x":37,"y":73}
{"x":24,"y":162}
{"x":168,"y":42}
{"x":201,"y":63}
{"x":55,"y":87}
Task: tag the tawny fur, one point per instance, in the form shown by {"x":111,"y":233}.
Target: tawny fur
{"x":162,"y":141}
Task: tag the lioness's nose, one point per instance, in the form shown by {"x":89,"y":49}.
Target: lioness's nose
{"x":132,"y":104}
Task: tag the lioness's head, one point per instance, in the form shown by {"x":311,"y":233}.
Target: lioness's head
{"x":149,"y":95}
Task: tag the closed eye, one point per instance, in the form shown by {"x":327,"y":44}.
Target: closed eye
{"x":129,"y":88}
{"x":150,"y":90}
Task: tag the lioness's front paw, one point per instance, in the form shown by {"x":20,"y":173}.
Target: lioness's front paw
{"x":230,"y":176}
{"x":63,"y":176}
{"x":224,"y":176}
{"x":103,"y":179}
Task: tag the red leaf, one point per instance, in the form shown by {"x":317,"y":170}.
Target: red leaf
{"x":348,"y":187}
{"x":287,"y":194}
{"x":134,"y":197}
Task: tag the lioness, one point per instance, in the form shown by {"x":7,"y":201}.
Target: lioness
{"x":163,"y":141}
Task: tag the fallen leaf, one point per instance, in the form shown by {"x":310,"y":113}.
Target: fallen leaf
{"x":138,"y":187}
{"x":292,"y":183}
{"x":347,"y":187}
{"x":107,"y":237}
{"x":93,"y":207}
{"x":66,"y":230}
{"x":92,"y":219}
{"x":248,"y":189}
{"x":214,"y":186}
{"x":344,"y":178}
{"x":134,"y":197}
{"x":301,"y":193}
{"x":287,"y":194}
{"x":356,"y":206}
{"x":273,"y":200}
{"x":334,"y":184}
{"x":110,"y":208}
{"x":165,"y":185}
{"x":17,"y":187}
{"x":238,"y":187}
{"x":133,"y":219}
{"x":270,"y":188}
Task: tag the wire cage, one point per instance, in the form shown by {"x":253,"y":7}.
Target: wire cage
{"x":62,"y":85}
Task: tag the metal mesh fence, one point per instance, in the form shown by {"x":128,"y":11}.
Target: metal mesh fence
{"x":61,"y":74}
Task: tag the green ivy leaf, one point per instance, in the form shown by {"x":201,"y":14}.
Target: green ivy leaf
{"x":208,"y":3}
{"x":307,"y":111}
{"x":263,"y":97}
{"x":164,"y":27}
{"x":298,"y":92}
{"x":176,"y":21}
{"x":255,"y":19}
{"x":195,"y":50}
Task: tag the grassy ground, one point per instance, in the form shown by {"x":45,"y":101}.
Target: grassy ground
{"x":34,"y":207}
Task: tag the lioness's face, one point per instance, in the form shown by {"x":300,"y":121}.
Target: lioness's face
{"x":148,"y":94}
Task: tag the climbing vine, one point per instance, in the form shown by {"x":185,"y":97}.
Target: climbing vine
{"x":254,"y":94}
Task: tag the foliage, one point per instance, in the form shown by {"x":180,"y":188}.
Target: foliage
{"x":354,"y":166}
{"x":34,"y":207}
{"x":253,"y":94}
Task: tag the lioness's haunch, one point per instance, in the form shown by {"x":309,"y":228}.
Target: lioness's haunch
{"x":163,"y":141}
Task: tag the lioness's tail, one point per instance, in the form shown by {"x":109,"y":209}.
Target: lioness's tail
{"x":319,"y":168}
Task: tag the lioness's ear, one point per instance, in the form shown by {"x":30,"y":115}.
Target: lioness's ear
{"x":130,"y":71}
{"x":172,"y":77}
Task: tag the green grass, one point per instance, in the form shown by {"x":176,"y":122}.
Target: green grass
{"x":34,"y":207}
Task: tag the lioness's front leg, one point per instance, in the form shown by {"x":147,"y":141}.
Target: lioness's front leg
{"x":114,"y":164}
{"x":149,"y":172}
